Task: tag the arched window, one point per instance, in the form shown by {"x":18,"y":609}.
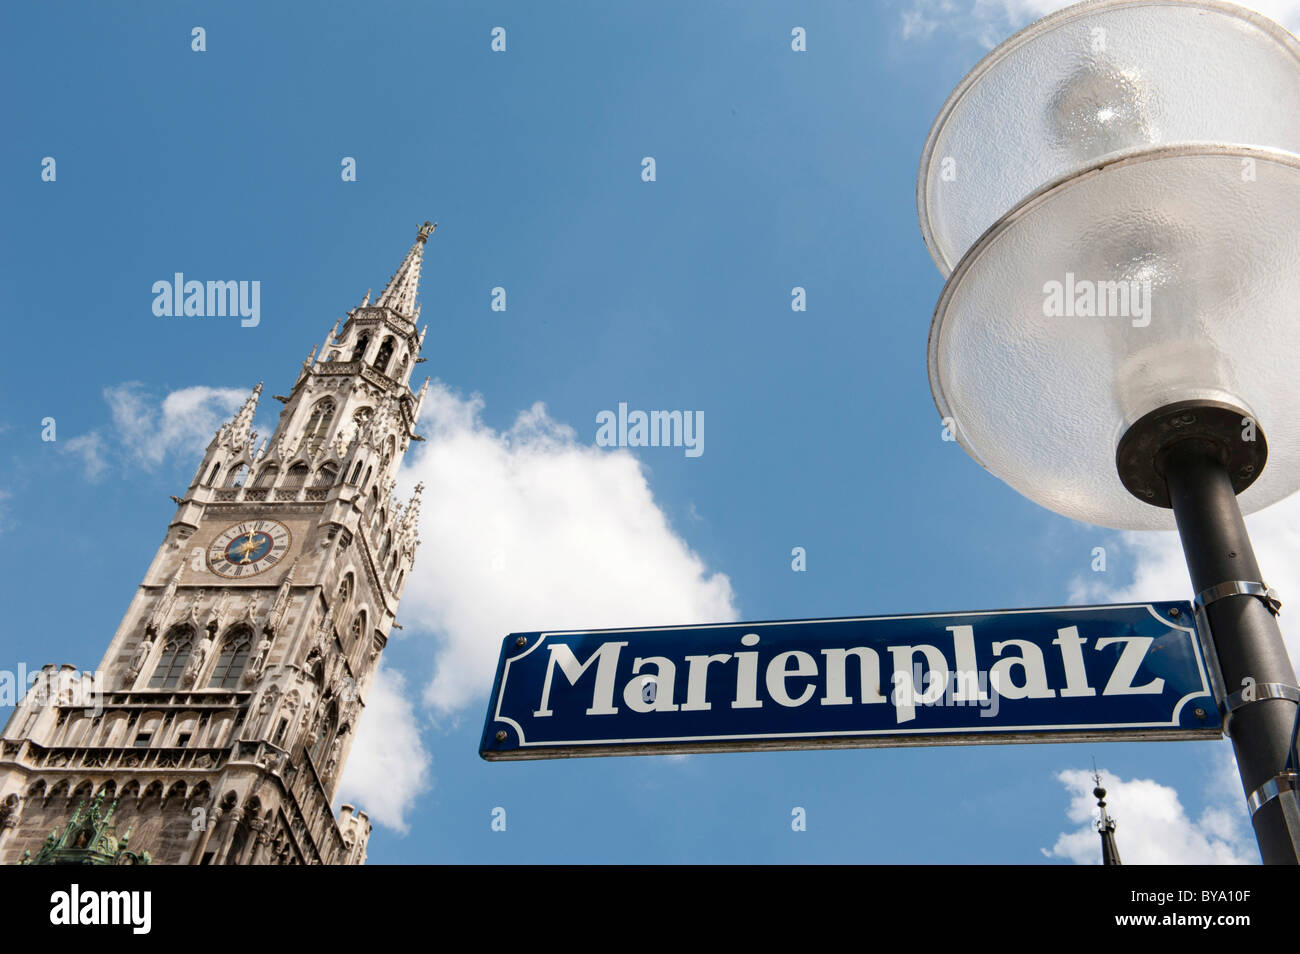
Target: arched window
{"x":318,"y":425}
{"x":359,"y":352}
{"x":183,"y":730}
{"x":167,"y":674}
{"x":268,"y":476}
{"x":296,"y":477}
{"x":212,"y":475}
{"x":356,"y":472}
{"x":358,"y":628}
{"x":373,"y":502}
{"x":231,"y":662}
{"x":397,"y":587}
{"x":365,"y":481}
{"x":238,"y":476}
{"x":388,"y":542}
{"x":343,"y":597}
{"x":384,"y":355}
{"x":327,"y":474}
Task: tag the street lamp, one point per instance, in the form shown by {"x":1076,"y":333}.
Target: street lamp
{"x":1114,"y":194}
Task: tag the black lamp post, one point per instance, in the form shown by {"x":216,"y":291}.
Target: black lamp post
{"x":1118,"y":210}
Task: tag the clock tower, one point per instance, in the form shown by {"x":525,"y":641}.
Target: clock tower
{"x":219,"y":721}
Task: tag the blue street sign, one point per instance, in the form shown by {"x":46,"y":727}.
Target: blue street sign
{"x":1077,"y":673}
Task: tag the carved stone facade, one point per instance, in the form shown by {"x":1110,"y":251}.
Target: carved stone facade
{"x":224,"y":710}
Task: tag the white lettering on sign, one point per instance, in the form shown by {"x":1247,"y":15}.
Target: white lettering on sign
{"x":922,"y":674}
{"x":602,"y":698}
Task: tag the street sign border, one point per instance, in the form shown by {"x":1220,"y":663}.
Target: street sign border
{"x":853,"y":739}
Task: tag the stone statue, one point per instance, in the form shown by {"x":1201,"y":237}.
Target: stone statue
{"x":259,"y":660}
{"x":141,"y":657}
{"x":333,"y":762}
{"x":264,"y":704}
{"x":197,"y":657}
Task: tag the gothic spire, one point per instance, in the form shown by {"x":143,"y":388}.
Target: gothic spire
{"x":419,"y":401}
{"x":238,"y":431}
{"x":410,"y":524}
{"x":1105,"y":824}
{"x":399,"y":294}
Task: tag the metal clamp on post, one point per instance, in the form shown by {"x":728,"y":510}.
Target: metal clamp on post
{"x":1239,"y":588}
{"x":1275,"y":786}
{"x":1257,"y":692}
{"x":1234,"y":701}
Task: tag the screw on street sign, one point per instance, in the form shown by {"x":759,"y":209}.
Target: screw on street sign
{"x":1078,"y":673}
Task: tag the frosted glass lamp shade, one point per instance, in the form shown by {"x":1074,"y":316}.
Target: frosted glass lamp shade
{"x":1095,"y":81}
{"x":1168,"y":276}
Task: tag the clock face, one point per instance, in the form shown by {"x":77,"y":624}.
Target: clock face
{"x":248,"y":548}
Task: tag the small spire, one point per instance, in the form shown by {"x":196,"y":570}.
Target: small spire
{"x":410,"y":523}
{"x":399,"y":294}
{"x":1105,"y":824}
{"x":365,"y":302}
{"x":238,"y":431}
{"x":419,"y":401}
{"x":330,"y":337}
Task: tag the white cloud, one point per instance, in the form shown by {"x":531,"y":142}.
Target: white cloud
{"x":988,"y":21}
{"x":145,"y":431}
{"x":90,"y":447}
{"x":992,"y":21}
{"x":388,"y":766}
{"x":520,"y":530}
{"x":183,"y":424}
{"x":530,"y":529}
{"x":1151,"y":825}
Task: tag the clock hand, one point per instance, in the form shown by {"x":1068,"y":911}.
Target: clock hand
{"x":248,"y":547}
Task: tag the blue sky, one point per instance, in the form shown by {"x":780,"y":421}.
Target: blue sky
{"x":774,"y":169}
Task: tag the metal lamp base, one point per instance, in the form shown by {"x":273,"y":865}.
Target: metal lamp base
{"x":1236,"y":437}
